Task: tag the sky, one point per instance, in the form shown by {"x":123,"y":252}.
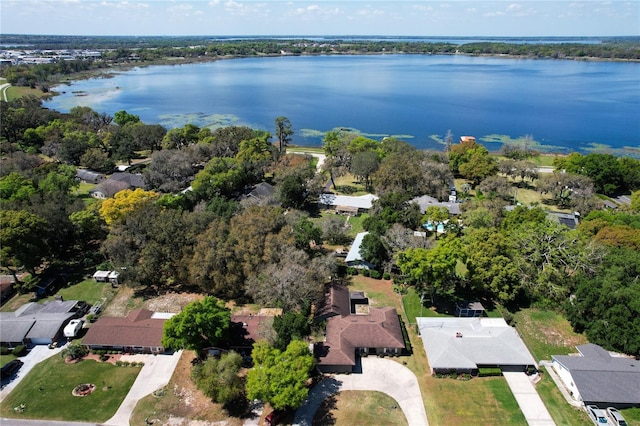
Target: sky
{"x":510,"y":18}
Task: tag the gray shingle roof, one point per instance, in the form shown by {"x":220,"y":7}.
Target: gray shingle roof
{"x":36,"y":321}
{"x":601,"y":377}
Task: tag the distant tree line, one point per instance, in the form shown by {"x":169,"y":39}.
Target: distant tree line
{"x":127,"y":50}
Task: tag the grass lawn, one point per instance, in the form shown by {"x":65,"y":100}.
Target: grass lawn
{"x":561,"y":412}
{"x":355,"y":224}
{"x":46,"y":391}
{"x":413,"y":308}
{"x":632,"y":416}
{"x":15,"y":92}
{"x":87,"y":290}
{"x":349,"y":185}
{"x":5,"y":359}
{"x":359,"y":407}
{"x":547,"y":333}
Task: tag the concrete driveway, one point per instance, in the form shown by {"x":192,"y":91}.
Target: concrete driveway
{"x":528,"y":399}
{"x":378,"y":374}
{"x":36,"y":355}
{"x":155,"y":374}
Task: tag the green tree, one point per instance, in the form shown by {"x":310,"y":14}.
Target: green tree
{"x":606,"y":305}
{"x":290,"y":326}
{"x":122,"y":118}
{"x":218,"y":378}
{"x":364,"y":164}
{"x":283,"y":133}
{"x":433,"y":269}
{"x":279,"y":378}
{"x":200,"y":324}
{"x":373,"y":250}
{"x":24,"y":241}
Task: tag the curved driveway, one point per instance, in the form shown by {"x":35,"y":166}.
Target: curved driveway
{"x":378,"y":374}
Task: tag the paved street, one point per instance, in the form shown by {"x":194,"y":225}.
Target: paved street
{"x":378,"y":374}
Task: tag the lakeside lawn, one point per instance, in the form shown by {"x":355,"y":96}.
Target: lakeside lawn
{"x":46,"y":391}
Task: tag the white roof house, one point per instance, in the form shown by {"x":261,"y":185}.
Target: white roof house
{"x":465,"y":344}
{"x":354,"y":259}
{"x":362,"y":202}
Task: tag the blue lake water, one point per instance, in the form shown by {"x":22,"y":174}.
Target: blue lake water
{"x":563,"y":105}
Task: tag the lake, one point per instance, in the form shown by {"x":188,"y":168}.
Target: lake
{"x":564,"y":105}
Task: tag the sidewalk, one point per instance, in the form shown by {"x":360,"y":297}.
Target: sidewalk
{"x":559,"y":384}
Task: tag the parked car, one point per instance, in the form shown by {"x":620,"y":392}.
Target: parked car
{"x":11,"y":368}
{"x":615,"y":417}
{"x":275,"y":417}
{"x":597,"y":415}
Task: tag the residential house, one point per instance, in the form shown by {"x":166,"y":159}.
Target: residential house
{"x":262,"y":194}
{"x":597,"y":377}
{"x":89,"y":176}
{"x":463,"y":345}
{"x":353,"y":329}
{"x":425,"y":201}
{"x":118,"y":181}
{"x":140,"y":331}
{"x":346,"y":204}
{"x":38,"y":324}
{"x":354,"y":258}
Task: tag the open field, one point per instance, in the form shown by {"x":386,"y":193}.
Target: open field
{"x":359,"y":407}
{"x":46,"y":391}
{"x":547,"y":333}
{"x":87,"y":290}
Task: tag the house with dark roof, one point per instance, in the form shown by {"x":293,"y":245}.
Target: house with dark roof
{"x":261,"y":194}
{"x":425,"y":201}
{"x":89,"y":176}
{"x":140,"y":331}
{"x":597,"y":377}
{"x":354,"y":328}
{"x":118,"y":181}
{"x":37,"y":324}
{"x":7,"y":289}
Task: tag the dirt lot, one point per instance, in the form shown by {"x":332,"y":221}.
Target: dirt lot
{"x":125,"y":301}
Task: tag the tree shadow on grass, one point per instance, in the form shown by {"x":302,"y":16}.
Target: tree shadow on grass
{"x":324,"y":415}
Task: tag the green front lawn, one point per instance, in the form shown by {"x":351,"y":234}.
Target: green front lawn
{"x":46,"y":391}
{"x":561,"y":412}
{"x":87,"y":290}
{"x":5,"y":359}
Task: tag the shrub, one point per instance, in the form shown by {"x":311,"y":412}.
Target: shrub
{"x":386,"y":276}
{"x":4,"y":350}
{"x":374,"y":274}
{"x":104,"y":357}
{"x":20,"y":350}
{"x":487,"y":372}
{"x":90,"y":317}
{"x":352,"y":271}
{"x":118,"y":363}
{"x":365,"y":272}
{"x":74,"y":351}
